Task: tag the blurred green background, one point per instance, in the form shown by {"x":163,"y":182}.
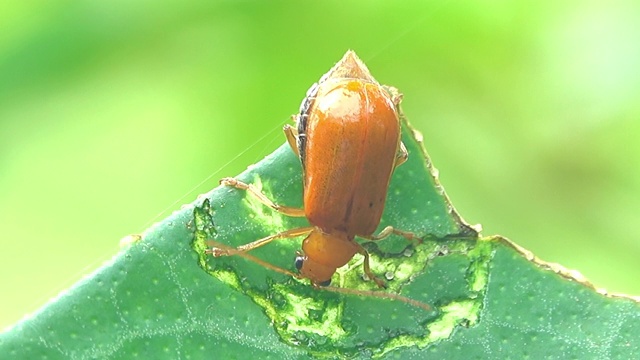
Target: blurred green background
{"x":111,"y":111}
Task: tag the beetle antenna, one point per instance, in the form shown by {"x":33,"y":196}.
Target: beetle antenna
{"x":378,"y":294}
{"x":229,"y":250}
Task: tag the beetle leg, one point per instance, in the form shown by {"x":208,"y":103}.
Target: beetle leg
{"x":391,"y":230}
{"x":367,"y":269}
{"x":290,"y":132}
{"x":401,"y":155}
{"x":225,"y":250}
{"x":286,"y":210}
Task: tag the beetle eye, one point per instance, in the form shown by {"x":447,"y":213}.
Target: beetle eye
{"x":325,"y":283}
{"x":298,"y":262}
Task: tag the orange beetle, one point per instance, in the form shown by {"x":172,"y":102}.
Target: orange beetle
{"x":348,"y":140}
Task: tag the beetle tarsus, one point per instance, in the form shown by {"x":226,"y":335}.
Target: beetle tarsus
{"x":286,"y":210}
{"x":381,"y":283}
{"x":233,"y":182}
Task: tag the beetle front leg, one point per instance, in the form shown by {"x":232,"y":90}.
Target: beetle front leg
{"x":218,"y":249}
{"x":367,"y":268}
{"x":286,"y":210}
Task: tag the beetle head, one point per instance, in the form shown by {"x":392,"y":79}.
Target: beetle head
{"x":319,"y":274}
{"x":322,"y":253}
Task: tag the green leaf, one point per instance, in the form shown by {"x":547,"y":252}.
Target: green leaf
{"x":162,"y":297}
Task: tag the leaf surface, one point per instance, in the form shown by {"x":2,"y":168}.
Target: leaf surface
{"x":162,"y":297}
